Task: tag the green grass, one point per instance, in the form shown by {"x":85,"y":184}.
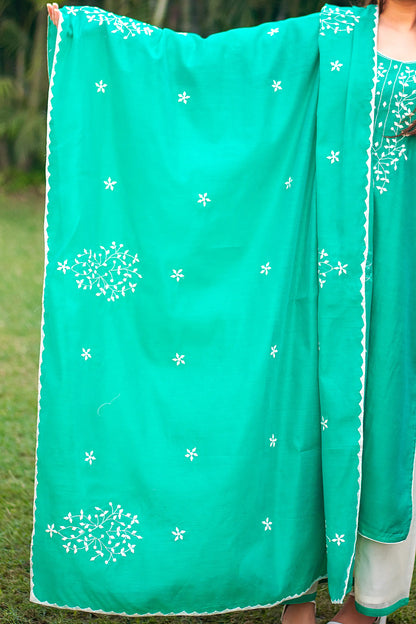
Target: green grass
{"x":21,"y":245}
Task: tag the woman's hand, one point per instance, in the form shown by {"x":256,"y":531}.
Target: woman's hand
{"x":53,"y":11}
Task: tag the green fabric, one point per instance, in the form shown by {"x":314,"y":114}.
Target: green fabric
{"x":381,"y":612}
{"x":390,"y":419}
{"x":204,"y":320}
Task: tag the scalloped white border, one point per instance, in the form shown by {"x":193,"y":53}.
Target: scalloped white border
{"x":46,"y":249}
{"x":188,"y":613}
{"x":363,"y":299}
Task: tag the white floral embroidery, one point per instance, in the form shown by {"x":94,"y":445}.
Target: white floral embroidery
{"x":86,"y":354}
{"x":325,"y":267}
{"x":274,"y":351}
{"x":265,"y":268}
{"x":273,"y":440}
{"x":273,"y":31}
{"x":100,"y":86}
{"x":72,"y":10}
{"x":51,"y":530}
{"x":389,"y":150}
{"x":203,"y":199}
{"x":267,"y":524}
{"x":182,"y":97}
{"x":324,"y":422}
{"x":106,"y":534}
{"x":178,"y":534}
{"x":90,"y":457}
{"x":179,"y":359}
{"x":277,"y":85}
{"x":191,"y":454}
{"x":339,"y":539}
{"x":338,"y":20}
{"x":333,"y":157}
{"x":125,"y":25}
{"x":336,"y":66}
{"x":111,"y":272}
{"x":289,"y":183}
{"x":63,"y":266}
{"x":177,"y":274}
{"x":109,"y":184}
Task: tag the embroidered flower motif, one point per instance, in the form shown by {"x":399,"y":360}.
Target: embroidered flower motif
{"x":274,"y":351}
{"x":101,"y":86}
{"x":325,"y":267}
{"x":109,"y":184}
{"x":90,"y":457}
{"x":86,"y":354}
{"x":191,"y":454}
{"x":341,"y":268}
{"x":265,"y":268}
{"x":338,"y":20}
{"x":203,"y":199}
{"x":108,"y":533}
{"x":63,"y":266}
{"x":273,"y":31}
{"x":267,"y":524}
{"x":183,"y":97}
{"x":339,"y":539}
{"x":178,"y":534}
{"x":51,"y":529}
{"x":273,"y":440}
{"x":333,"y":157}
{"x":336,"y":66}
{"x":177,"y":274}
{"x":324,"y":423}
{"x":179,"y":359}
{"x":289,"y":183}
{"x":110,"y":272}
{"x":124,"y":25}
{"x":277,"y":85}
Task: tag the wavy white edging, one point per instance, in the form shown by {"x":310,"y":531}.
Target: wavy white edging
{"x":187,"y":613}
{"x":363,"y":298}
{"x":45,"y":234}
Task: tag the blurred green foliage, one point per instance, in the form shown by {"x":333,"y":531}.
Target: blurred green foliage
{"x":23,"y":62}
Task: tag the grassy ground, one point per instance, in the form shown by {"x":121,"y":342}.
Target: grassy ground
{"x":21,"y":245}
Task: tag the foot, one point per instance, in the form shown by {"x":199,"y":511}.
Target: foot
{"x":301,"y":613}
{"x":348,"y":614}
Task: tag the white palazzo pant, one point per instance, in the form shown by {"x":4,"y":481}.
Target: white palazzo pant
{"x":383,"y":572}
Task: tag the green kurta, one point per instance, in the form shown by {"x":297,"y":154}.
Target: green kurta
{"x":390,"y":414}
{"x":203,"y":358}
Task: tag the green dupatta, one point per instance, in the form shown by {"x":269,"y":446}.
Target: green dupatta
{"x":204,"y":325}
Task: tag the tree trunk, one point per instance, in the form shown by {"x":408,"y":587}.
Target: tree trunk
{"x":186,"y":15}
{"x":160,"y":13}
{"x":37,"y":69}
{"x":20,"y":73}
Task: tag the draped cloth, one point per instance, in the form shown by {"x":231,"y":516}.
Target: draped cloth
{"x":203,"y":353}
